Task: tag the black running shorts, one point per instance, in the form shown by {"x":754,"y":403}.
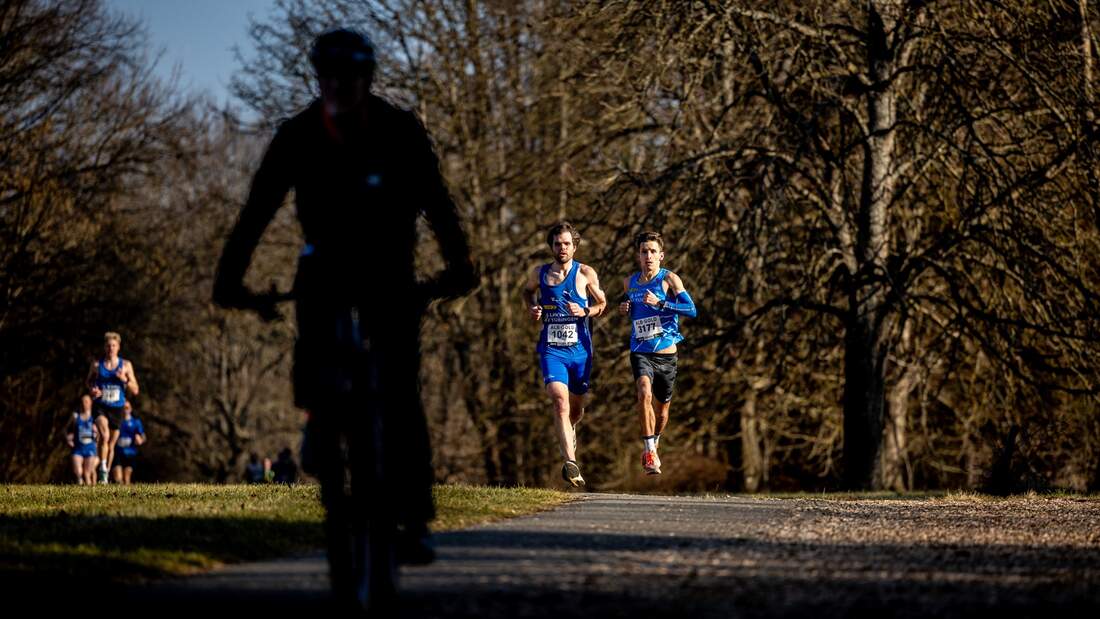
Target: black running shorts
{"x":112,"y":413}
{"x":121,"y":459}
{"x":661,"y":370}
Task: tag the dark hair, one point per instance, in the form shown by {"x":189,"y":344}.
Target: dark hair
{"x":645,"y":237}
{"x":342,"y":52}
{"x":560,"y":227}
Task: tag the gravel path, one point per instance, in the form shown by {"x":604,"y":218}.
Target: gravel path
{"x":648,"y":556}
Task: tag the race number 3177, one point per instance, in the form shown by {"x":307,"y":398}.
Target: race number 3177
{"x":648,"y":328}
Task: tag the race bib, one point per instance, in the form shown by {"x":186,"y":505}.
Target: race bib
{"x":648,"y":328}
{"x":561,"y":334}
{"x":124,"y":441}
{"x":111,"y":394}
{"x":85,"y":439}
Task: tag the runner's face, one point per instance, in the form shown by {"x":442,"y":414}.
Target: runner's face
{"x":342,"y":94}
{"x":86,"y":403}
{"x":111,"y":348}
{"x":563,"y":247}
{"x":650,"y":256}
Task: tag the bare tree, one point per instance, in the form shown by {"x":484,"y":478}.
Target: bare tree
{"x":80,"y":118}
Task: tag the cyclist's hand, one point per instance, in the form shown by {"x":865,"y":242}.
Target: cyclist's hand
{"x":446,"y":286}
{"x":426,"y":292}
{"x":266,"y":305}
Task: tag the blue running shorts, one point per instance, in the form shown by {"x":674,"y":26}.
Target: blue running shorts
{"x":568,"y":367}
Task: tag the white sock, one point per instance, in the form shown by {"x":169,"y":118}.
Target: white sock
{"x":656,"y":441}
{"x":650,"y":443}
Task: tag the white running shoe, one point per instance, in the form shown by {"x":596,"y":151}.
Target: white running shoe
{"x":571,"y":473}
{"x":651,"y":463}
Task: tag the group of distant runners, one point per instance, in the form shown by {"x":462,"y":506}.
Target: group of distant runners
{"x":104,"y":434}
{"x":564,"y":295}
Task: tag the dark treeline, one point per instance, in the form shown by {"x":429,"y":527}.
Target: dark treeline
{"x":886,"y":211}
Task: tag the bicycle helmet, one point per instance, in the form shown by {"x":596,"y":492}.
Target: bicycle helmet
{"x":341,"y":53}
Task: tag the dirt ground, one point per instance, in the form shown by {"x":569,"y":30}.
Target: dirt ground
{"x":649,"y":556}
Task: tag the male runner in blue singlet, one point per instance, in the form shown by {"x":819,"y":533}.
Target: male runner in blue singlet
{"x":564,"y":295}
{"x":655,"y":298}
{"x":131,"y":435}
{"x":108,"y":380}
{"x":81,"y":437}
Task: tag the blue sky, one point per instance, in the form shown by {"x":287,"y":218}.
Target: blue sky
{"x":198,"y":36}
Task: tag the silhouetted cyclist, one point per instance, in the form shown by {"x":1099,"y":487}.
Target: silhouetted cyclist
{"x":362,"y":171}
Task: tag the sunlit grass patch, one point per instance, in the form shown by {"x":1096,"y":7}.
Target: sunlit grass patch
{"x":122,"y":533}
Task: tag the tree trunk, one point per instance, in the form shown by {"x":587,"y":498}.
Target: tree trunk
{"x":1088,"y":108}
{"x":753,"y":467}
{"x":894,"y":468}
{"x":865,"y":341}
{"x":754,"y":455}
{"x":864,"y":403}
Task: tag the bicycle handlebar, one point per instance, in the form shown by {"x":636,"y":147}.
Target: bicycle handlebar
{"x":265,"y":304}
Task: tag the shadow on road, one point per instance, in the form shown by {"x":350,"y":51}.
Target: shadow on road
{"x":697,"y":564}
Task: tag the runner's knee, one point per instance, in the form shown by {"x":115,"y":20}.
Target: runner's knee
{"x":561,"y":407}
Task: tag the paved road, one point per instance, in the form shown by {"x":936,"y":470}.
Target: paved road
{"x":648,"y":556}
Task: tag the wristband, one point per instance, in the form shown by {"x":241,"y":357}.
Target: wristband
{"x":587,"y":311}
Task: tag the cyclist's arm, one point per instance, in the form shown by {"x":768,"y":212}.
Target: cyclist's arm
{"x":459,"y":275}
{"x":269,"y":187}
{"x":678,"y":301}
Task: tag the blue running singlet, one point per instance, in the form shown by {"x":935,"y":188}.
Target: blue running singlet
{"x":127,"y":430}
{"x":84,"y":436}
{"x":650,"y":328}
{"x":562,"y":331}
{"x":565,"y":343}
{"x":112,"y":390}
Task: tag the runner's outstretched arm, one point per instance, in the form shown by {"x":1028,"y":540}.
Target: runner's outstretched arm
{"x":597,"y":295}
{"x":681,"y":303}
{"x":624,"y":305}
{"x":531,"y":294}
{"x":269,"y":187}
{"x":131,"y":382}
{"x":89,"y":382}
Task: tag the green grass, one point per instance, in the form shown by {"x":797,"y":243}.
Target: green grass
{"x":120,"y":533}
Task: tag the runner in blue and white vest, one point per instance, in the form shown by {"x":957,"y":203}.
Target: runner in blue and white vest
{"x":655,"y":298}
{"x":131,"y":435}
{"x":81,"y":437}
{"x":564,"y":295}
{"x":109,"y":380}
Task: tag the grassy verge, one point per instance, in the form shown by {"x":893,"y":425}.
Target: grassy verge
{"x":117,"y":534}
